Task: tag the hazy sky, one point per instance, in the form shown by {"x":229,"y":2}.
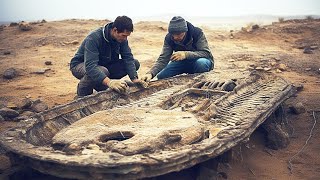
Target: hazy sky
{"x":16,"y":10}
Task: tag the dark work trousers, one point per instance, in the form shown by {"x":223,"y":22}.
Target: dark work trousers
{"x":87,"y":84}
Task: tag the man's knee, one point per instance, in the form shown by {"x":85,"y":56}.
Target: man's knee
{"x":203,"y":65}
{"x":104,"y":70}
{"x":137,"y":64}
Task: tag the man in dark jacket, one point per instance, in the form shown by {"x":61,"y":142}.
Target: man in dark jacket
{"x":185,"y":50}
{"x":97,"y":64}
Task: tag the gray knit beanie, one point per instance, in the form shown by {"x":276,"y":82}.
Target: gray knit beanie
{"x":177,"y":25}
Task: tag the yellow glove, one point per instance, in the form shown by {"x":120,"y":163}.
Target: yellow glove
{"x":178,"y":56}
{"x":146,"y":78}
{"x":118,"y":85}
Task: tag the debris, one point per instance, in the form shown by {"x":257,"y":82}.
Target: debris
{"x":9,"y":113}
{"x":282,"y":67}
{"x":10,"y":73}
{"x":25,"y":26}
{"x":39,"y":106}
{"x":297,"y":108}
{"x":6,"y":52}
{"x":299,"y":87}
{"x":48,"y":62}
{"x":307,"y":50}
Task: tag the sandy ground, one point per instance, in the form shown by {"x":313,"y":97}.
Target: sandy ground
{"x":265,"y":47}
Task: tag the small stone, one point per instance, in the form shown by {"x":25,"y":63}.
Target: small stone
{"x":41,"y":71}
{"x":266,"y":69}
{"x":7,"y":112}
{"x":10,"y":73}
{"x":20,"y":118}
{"x":12,"y":105}
{"x":299,"y":87}
{"x":24,"y":26}
{"x":278,"y":71}
{"x":259,"y":68}
{"x":313,"y":47}
{"x":48,"y":63}
{"x":25,"y":103}
{"x":255,"y":26}
{"x":308,"y":69}
{"x":27,"y":113}
{"x":13,"y":24}
{"x":297,"y":108}
{"x":307,"y":50}
{"x":39,"y":107}
{"x":93,"y":147}
{"x":6,"y":52}
{"x":273,"y":63}
{"x":282,"y":67}
{"x":277,"y":59}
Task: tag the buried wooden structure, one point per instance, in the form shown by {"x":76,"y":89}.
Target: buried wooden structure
{"x":171,"y":125}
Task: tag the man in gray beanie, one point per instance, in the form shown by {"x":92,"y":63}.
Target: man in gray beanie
{"x":185,"y":50}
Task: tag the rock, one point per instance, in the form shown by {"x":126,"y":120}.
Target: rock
{"x":277,"y":137}
{"x":307,"y":50}
{"x":299,"y":87}
{"x":43,"y":21}
{"x":1,"y":119}
{"x":273,"y":63}
{"x":259,"y":68}
{"x":266,"y":69}
{"x":228,"y":86}
{"x":48,"y":63}
{"x":282,"y":67}
{"x":308,"y":69}
{"x":6,"y":52}
{"x":277,"y":59}
{"x":20,"y":118}
{"x":39,"y":107}
{"x":41,"y":71}
{"x":278,"y":71}
{"x":25,"y":26}
{"x":9,"y":113}
{"x":12,"y":105}
{"x":313,"y":47}
{"x":13,"y":24}
{"x":25,"y":103}
{"x":10,"y":73}
{"x":27,"y":113}
{"x":297,"y":108}
{"x":255,"y":26}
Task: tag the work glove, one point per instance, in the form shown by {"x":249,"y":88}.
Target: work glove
{"x":178,"y":56}
{"x":118,"y":85}
{"x":146,"y":78}
{"x":141,"y":83}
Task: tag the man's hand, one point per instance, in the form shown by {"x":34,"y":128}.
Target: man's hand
{"x":141,"y":83}
{"x":117,"y":85}
{"x":146,"y":78}
{"x":178,"y":56}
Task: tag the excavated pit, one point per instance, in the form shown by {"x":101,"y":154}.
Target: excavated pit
{"x":171,"y":125}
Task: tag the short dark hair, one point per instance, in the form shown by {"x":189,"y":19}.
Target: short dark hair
{"x":123,"y":23}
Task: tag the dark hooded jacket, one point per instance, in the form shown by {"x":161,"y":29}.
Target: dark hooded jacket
{"x":99,"y":49}
{"x":195,"y":43}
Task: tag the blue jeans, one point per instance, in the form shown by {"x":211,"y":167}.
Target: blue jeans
{"x":189,"y":66}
